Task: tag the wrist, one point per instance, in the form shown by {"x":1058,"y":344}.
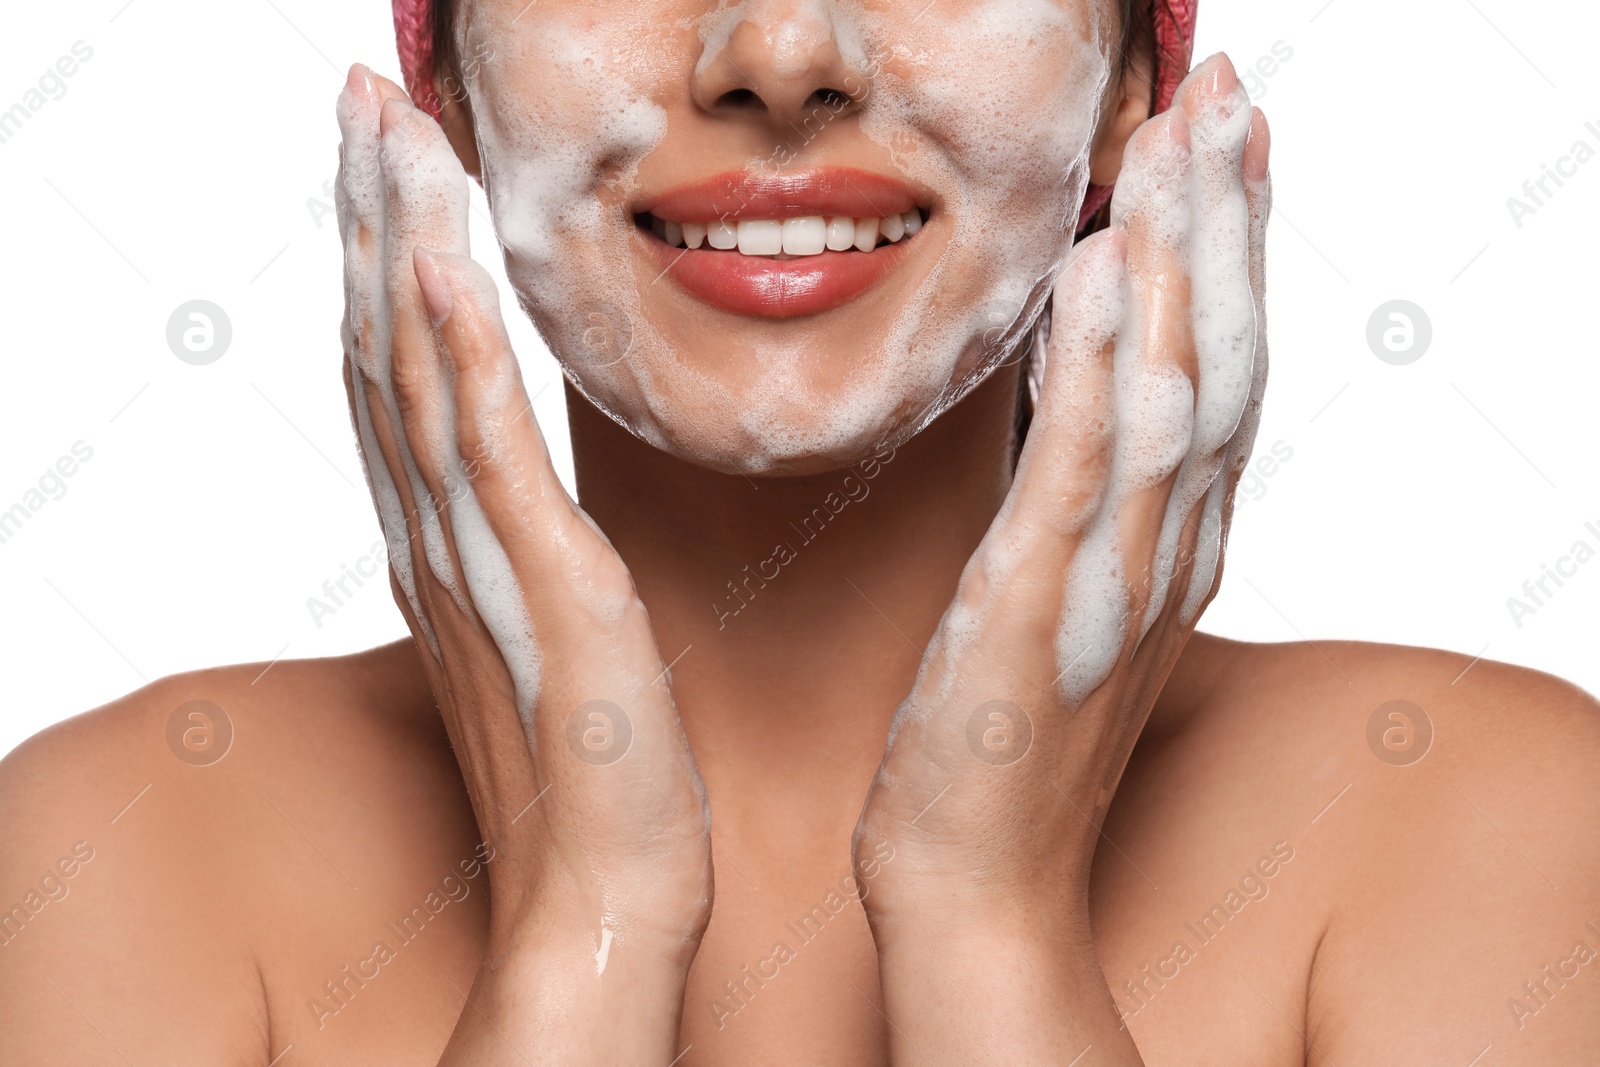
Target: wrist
{"x":909,"y":914}
{"x":605,"y":966}
{"x":659,"y":919}
{"x":652,"y":938}
{"x":1000,"y":991}
{"x":561,"y":996}
{"x":982,"y":939}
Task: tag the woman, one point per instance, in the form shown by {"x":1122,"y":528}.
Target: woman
{"x":832,"y":728}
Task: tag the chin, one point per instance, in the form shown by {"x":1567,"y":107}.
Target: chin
{"x":809,"y":396}
{"x":778,"y":394}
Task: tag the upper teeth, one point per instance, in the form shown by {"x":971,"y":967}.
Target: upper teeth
{"x":809,"y":236}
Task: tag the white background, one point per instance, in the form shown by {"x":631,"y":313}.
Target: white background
{"x":187,"y":159}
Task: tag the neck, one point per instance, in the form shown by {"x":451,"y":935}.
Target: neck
{"x":794,"y":611}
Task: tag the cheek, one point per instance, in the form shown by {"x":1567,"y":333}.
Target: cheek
{"x":561,"y":134}
{"x":990,"y":103}
{"x":561,"y":130}
{"x":1040,"y":113}
{"x":1002,"y":83}
{"x":994,"y":105}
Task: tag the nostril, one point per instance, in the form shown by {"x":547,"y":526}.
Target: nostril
{"x":740,"y":98}
{"x":833,"y":99}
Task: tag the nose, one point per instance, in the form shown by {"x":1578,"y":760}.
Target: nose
{"x":780,"y":60}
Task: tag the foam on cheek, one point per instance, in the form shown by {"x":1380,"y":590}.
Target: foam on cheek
{"x":556,"y":168}
{"x":1007,"y":157}
{"x":546,"y":164}
{"x":1008,"y":154}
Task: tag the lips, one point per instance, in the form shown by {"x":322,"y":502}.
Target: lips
{"x":770,"y":288}
{"x":825,"y":191}
{"x":745,"y":267}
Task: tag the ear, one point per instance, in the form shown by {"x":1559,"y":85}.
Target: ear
{"x":455,"y":116}
{"x":1135,"y":95}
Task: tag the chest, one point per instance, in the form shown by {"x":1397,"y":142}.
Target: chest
{"x":1204,"y":904}
{"x":1206,"y":951}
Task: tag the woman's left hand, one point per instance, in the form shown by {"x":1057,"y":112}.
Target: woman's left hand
{"x":1073,"y":611}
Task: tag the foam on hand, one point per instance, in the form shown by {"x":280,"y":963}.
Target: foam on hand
{"x":1225,"y":333}
{"x":367,"y":328}
{"x":1188,"y":201}
{"x":1109,"y":432}
{"x":396,"y":186}
{"x":496,"y":591}
{"x":400,"y":190}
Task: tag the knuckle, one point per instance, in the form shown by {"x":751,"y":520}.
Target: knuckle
{"x":411,"y":387}
{"x":476,"y":455}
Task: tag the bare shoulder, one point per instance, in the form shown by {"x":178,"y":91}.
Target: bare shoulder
{"x":1406,"y":703}
{"x":1451,"y":810}
{"x":149,"y":847}
{"x":308,"y":719}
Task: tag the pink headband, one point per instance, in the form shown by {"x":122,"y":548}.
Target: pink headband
{"x":1174,"y":22}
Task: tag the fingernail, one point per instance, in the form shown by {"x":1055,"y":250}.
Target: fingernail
{"x":1119,"y":239}
{"x":1224,"y":79}
{"x":393,"y":111}
{"x":434,"y":285}
{"x":360,"y":78}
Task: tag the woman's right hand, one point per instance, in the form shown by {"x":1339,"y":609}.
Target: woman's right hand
{"x":538,"y":650}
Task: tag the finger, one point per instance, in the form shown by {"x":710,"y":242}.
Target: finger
{"x":366,"y":336}
{"x":1113,"y":577}
{"x":1061,"y":475}
{"x":1090,"y":623}
{"x":1220,"y":118}
{"x":425,"y":205}
{"x":513,"y":524}
{"x":359,"y":191}
{"x":391,"y":494}
{"x":1062,"y":471}
{"x":368,"y":267}
{"x":494,"y":783}
{"x":498,"y":441}
{"x":397,"y":486}
{"x":1258,"y":197}
{"x":1155,"y":359}
{"x":1223,"y":327}
{"x":553,"y":594}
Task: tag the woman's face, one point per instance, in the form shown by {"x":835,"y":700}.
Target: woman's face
{"x":616,"y":134}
